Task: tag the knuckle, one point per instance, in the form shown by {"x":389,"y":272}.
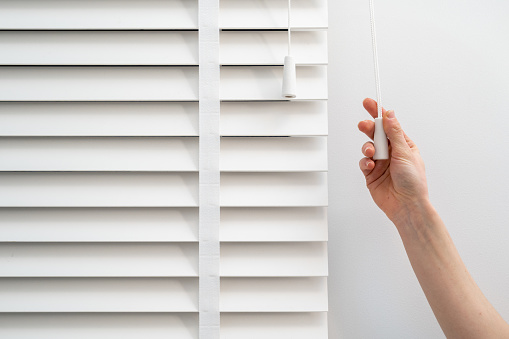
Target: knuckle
{"x":396,"y":128}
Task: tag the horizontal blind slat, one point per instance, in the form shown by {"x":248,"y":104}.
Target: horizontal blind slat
{"x":273,"y":189}
{"x":98,"y":260}
{"x":98,"y":83}
{"x":273,"y":224}
{"x":99,"y":154}
{"x":99,"y":118}
{"x":103,"y":325}
{"x":99,"y":224}
{"x":302,"y":259}
{"x":99,"y":295}
{"x":274,"y":118}
{"x":273,"y":294}
{"x":98,"y":48}
{"x":274,"y":325}
{"x":265,"y":83}
{"x":98,"y":189}
{"x":99,"y":14}
{"x":263,"y":14}
{"x":270,"y":48}
{"x":273,"y":154}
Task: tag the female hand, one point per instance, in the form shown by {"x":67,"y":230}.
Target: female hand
{"x":398,"y":185}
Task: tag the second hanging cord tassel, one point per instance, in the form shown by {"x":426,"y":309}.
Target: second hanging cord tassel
{"x":290,"y":69}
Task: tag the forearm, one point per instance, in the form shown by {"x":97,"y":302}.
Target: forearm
{"x":458,"y":303}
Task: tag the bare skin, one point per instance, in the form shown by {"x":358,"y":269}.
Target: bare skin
{"x":398,"y":187}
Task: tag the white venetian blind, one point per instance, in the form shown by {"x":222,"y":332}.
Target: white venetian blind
{"x":105,"y":170}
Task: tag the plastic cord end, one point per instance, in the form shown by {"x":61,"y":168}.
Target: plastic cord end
{"x":289,"y":78}
{"x":380,"y":141}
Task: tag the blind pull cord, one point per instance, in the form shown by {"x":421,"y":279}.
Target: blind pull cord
{"x":380,"y":138}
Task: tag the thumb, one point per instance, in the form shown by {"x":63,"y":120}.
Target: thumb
{"x":395,"y":134}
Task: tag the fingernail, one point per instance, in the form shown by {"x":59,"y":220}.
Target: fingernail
{"x":390,"y":114}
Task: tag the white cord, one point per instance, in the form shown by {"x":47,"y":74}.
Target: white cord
{"x":289,"y":27}
{"x":375,"y":59}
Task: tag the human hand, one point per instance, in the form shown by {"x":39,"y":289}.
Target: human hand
{"x":397,"y":185}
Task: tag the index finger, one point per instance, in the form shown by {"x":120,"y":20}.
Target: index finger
{"x":372,"y":107}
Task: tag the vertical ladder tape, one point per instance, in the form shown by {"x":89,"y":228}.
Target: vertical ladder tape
{"x":209,"y":175}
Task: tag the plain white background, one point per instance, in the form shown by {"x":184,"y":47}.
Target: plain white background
{"x":444,"y":70}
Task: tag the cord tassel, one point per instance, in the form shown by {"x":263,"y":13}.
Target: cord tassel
{"x":289,"y":78}
{"x":290,"y":69}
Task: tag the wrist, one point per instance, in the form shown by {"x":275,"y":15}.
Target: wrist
{"x":414,"y":214}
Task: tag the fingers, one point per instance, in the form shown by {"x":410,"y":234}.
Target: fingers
{"x":372,"y":170}
{"x":371,"y":106}
{"x":367,"y":127}
{"x":366,"y":165}
{"x":368,"y":149}
{"x":399,"y":143}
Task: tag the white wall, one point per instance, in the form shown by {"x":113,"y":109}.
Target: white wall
{"x":444,"y":71}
